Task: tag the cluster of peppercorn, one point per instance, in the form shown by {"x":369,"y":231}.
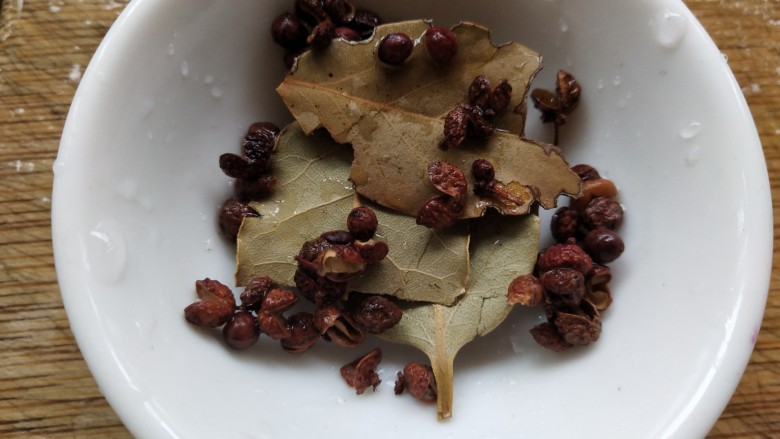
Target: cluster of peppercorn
{"x":475,"y":119}
{"x":557,"y":106}
{"x":472,"y":119}
{"x":571,"y":277}
{"x":250,"y":171}
{"x":443,"y":210}
{"x":325,"y":264}
{"x":315,"y":23}
{"x":440,"y":43}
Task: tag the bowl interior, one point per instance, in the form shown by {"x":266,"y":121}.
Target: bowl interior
{"x":176,"y":83}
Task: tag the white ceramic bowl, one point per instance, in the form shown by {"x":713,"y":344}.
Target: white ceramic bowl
{"x":175,"y":84}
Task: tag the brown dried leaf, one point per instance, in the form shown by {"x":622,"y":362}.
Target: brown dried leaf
{"x":394,"y":117}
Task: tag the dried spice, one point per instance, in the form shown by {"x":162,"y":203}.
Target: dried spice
{"x":572,"y":273}
{"x":603,"y":245}
{"x":361,"y":373}
{"x":441,"y":43}
{"x":362,"y":223}
{"x":418,"y":380}
{"x":395,"y":48}
{"x":599,"y":187}
{"x":465,"y":121}
{"x":377,"y":314}
{"x":525,"y":290}
{"x":303,"y":333}
{"x":392,"y":124}
{"x":251,"y":166}
{"x":565,"y":224}
{"x":270,"y":318}
{"x":568,"y":255}
{"x":579,"y":327}
{"x":215,"y":307}
{"x":493,"y":193}
{"x":452,"y":284}
{"x":337,"y":326}
{"x":428,"y":265}
{"x":548,"y":336}
{"x":255,"y":291}
{"x":241,"y":331}
{"x":492,"y":101}
{"x":443,"y":210}
{"x":556,"y":107}
{"x":232,"y":214}
{"x":502,"y":248}
{"x":603,"y":213}
{"x":586,"y":172}
{"x":563,"y":285}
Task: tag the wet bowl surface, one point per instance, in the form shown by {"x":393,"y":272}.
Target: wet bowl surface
{"x":176,"y":83}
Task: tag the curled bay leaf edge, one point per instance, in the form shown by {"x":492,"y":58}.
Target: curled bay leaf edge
{"x":394,"y":118}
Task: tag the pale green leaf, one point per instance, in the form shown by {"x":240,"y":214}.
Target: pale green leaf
{"x":502,"y":248}
{"x":314,"y":196}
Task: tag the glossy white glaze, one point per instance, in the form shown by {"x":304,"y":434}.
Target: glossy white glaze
{"x":176,"y":83}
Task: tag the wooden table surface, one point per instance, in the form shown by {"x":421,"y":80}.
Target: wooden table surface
{"x":46,"y":389}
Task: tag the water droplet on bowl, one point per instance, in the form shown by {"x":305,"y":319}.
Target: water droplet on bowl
{"x":690,"y":131}
{"x":184,"y":68}
{"x":105,"y":252}
{"x":692,"y":155}
{"x":670,"y":29}
{"x":58,"y":166}
{"x":563,"y":25}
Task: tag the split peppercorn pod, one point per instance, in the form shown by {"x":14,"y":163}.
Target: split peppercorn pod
{"x":418,"y":380}
{"x":377,"y":314}
{"x":361,"y":373}
{"x":442,"y":211}
{"x":336,"y":325}
{"x":215,"y":307}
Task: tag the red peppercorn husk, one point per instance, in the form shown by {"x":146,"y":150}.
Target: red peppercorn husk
{"x":361,"y":373}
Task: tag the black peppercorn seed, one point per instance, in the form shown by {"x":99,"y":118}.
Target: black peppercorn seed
{"x":483,"y":170}
{"x":441,"y":43}
{"x":395,"y":48}
{"x":564,"y":224}
{"x":603,"y":213}
{"x":288,"y":32}
{"x":362,"y":223}
{"x":241,"y":330}
{"x":603,"y":245}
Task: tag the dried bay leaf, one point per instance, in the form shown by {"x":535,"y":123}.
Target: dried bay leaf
{"x":394,"y":117}
{"x":418,"y":86}
{"x":502,"y":248}
{"x":313,"y":196}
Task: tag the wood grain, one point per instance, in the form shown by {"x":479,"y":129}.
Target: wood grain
{"x":46,"y":389}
